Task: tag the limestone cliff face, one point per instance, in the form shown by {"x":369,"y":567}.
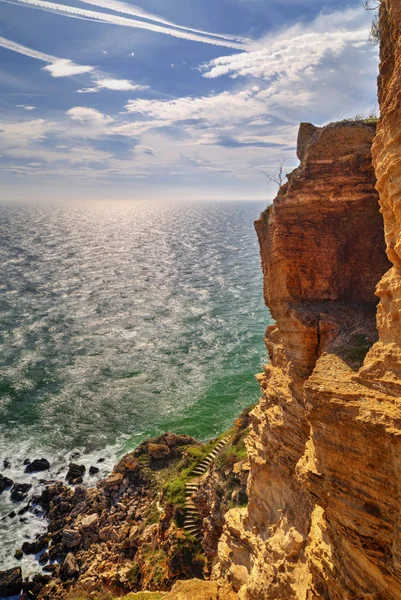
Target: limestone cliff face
{"x":322,"y":519}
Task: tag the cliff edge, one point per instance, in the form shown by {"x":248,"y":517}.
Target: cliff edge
{"x":324,"y":449}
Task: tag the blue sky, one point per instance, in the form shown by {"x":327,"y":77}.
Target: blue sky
{"x":179,"y":99}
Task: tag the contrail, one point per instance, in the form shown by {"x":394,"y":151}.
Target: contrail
{"x":79,"y":13}
{"x":136,"y":11}
{"x":4,"y":43}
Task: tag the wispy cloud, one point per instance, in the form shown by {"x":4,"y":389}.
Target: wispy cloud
{"x":295,"y":51}
{"x":102,"y":17}
{"x":58,"y":67}
{"x":218,"y":108}
{"x":64,"y":67}
{"x":88,"y":115}
{"x":116,"y":85}
{"x":26,"y":107}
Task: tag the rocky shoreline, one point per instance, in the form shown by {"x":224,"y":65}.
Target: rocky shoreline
{"x":155,"y":519}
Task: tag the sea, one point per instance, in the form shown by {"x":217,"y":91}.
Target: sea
{"x":120,"y":321}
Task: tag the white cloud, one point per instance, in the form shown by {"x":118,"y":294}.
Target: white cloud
{"x":65,"y":68}
{"x":219,"y":108}
{"x":26,"y":107}
{"x":89,"y":115}
{"x":131,"y":54}
{"x":291,"y":53}
{"x":116,"y":85}
{"x":104,"y":51}
{"x":58,"y":67}
{"x":119,"y":85}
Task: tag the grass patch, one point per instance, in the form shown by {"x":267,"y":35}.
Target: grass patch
{"x":359,"y":346}
{"x":175,"y":488}
{"x":370,"y":119}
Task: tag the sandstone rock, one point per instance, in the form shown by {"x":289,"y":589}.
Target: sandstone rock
{"x":108,"y":533}
{"x":158,"y":451}
{"x":90,"y":522}
{"x":38,"y":465}
{"x":70,"y":568}
{"x":10,"y":582}
{"x":71,"y":538}
{"x":133,"y":536}
{"x":314,"y":513}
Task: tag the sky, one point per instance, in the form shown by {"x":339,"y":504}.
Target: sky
{"x":185,"y":99}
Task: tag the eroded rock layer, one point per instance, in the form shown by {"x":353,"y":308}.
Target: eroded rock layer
{"x":322,"y":519}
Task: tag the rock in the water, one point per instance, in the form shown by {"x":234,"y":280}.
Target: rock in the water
{"x":36,"y":546}
{"x":18,"y":554}
{"x":70,"y":567}
{"x":71,"y":538}
{"x":38,"y":465}
{"x":93,"y":470}
{"x":10,"y":582}
{"x":6,"y":464}
{"x":20,"y":491}
{"x":5,"y":483}
{"x":75,"y":473}
{"x":27,"y":461}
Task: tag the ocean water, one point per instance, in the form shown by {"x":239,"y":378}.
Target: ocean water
{"x":119,"y":321}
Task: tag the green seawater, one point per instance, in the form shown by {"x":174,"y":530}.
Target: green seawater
{"x":119,"y":321}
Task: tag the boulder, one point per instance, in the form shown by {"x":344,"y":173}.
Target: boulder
{"x":5,"y":483}
{"x":70,"y":567}
{"x":10,"y":582}
{"x":70,"y":538}
{"x":75,"y":473}
{"x":90,"y":522}
{"x":158,"y":451}
{"x":36,"y":546}
{"x":38,"y":465}
{"x":93,"y":470}
{"x":20,"y":491}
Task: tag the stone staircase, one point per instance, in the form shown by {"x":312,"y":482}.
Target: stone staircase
{"x":193,"y":521}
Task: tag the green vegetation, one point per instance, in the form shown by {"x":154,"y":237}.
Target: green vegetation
{"x":157,"y":561}
{"x":358,"y":347}
{"x":134,"y":574}
{"x":370,"y":119}
{"x":175,"y":488}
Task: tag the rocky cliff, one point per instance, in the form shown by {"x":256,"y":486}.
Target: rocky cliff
{"x":324,"y":488}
